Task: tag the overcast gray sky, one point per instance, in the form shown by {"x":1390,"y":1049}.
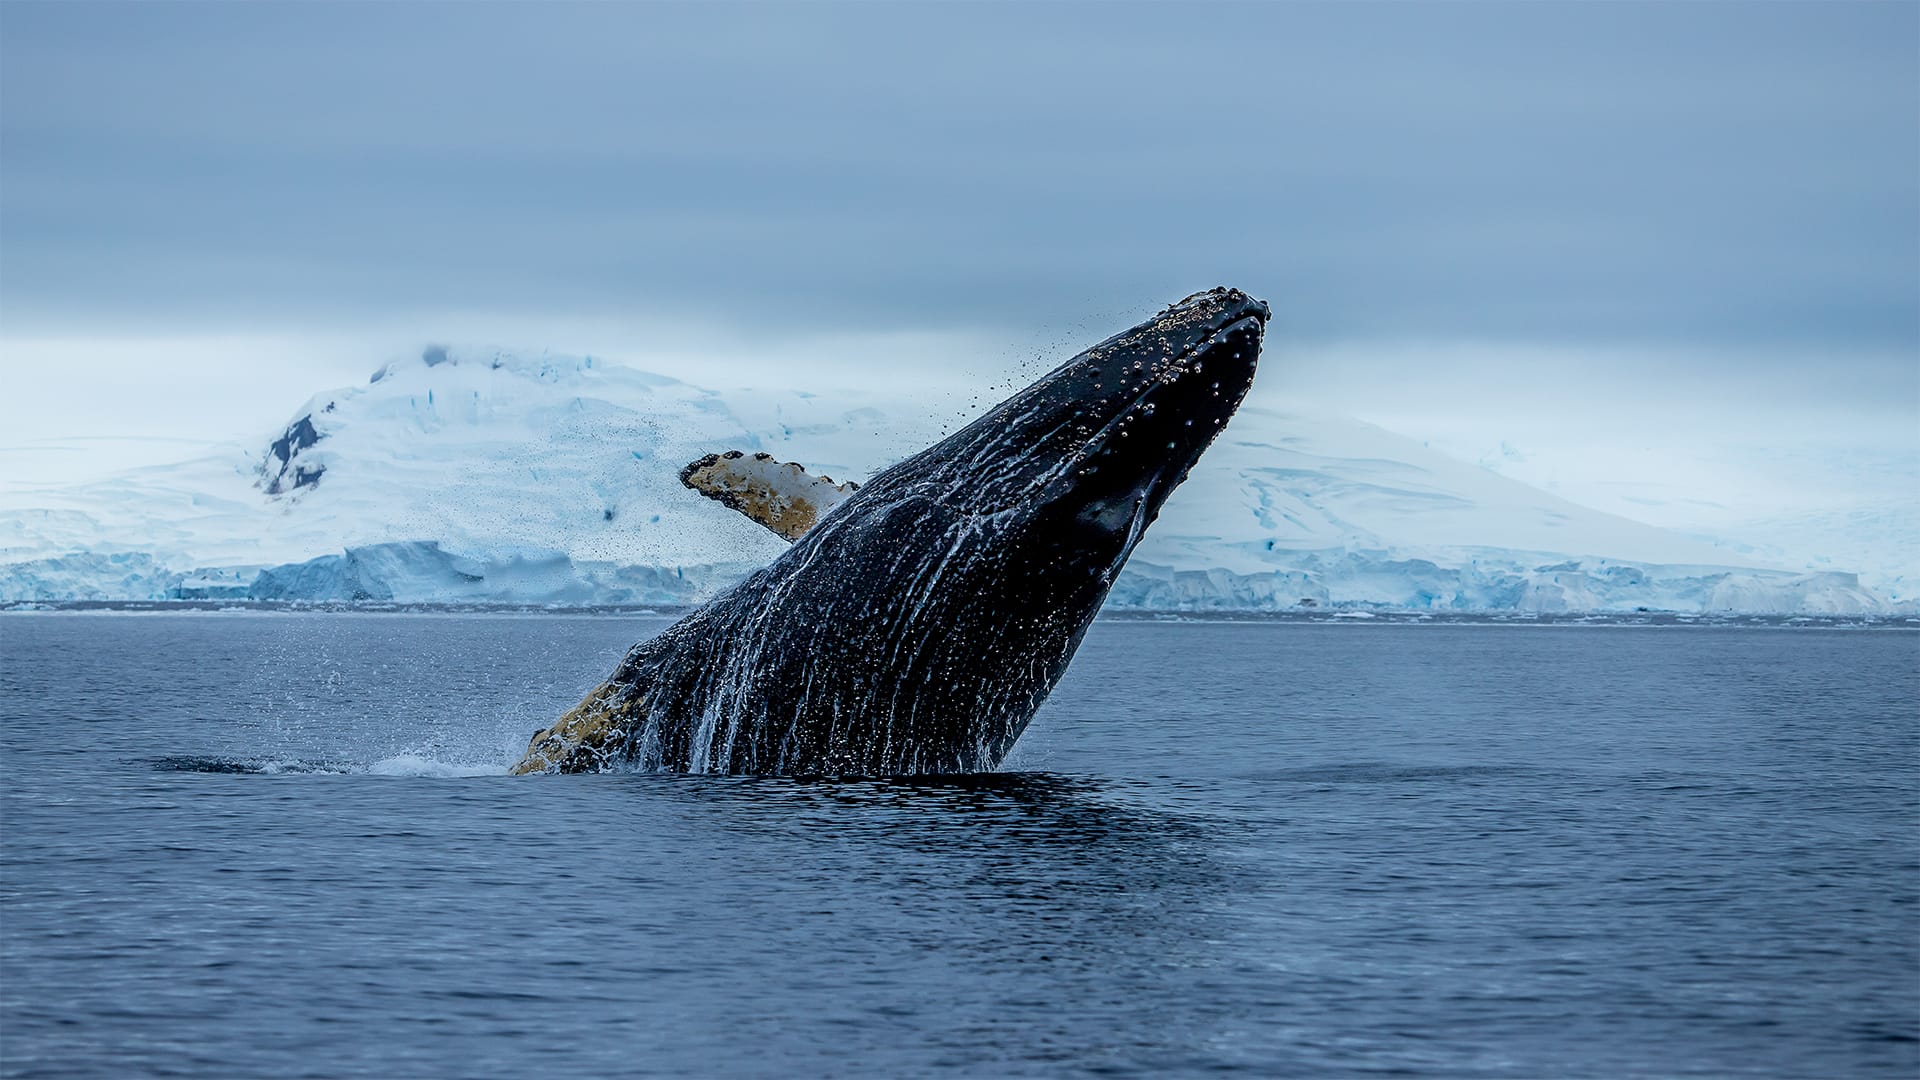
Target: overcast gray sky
{"x":1645,"y":196}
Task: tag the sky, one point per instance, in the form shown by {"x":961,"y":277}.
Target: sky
{"x":1583,"y":243}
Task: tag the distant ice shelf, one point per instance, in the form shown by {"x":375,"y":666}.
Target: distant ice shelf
{"x":422,"y":572}
{"x":479,"y":475}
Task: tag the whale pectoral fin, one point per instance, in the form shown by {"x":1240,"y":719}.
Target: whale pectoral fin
{"x":590,"y":735}
{"x":780,"y":495}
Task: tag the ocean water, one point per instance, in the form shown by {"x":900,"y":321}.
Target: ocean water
{"x":282,"y":845}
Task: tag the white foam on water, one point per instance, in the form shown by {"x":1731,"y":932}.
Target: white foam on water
{"x":415,"y":765}
{"x":298,"y":766}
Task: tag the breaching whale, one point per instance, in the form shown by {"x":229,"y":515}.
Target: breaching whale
{"x":919,"y":624}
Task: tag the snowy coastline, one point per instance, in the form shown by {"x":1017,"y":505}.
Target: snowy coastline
{"x":484,"y":477}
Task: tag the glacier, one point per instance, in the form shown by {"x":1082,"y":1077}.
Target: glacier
{"x":479,"y":475}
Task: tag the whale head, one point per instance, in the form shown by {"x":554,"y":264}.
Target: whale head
{"x":1068,"y":473}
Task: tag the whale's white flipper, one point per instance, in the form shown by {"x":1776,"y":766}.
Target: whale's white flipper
{"x":782,"y":496}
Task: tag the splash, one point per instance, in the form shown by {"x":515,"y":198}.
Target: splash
{"x":410,"y":765}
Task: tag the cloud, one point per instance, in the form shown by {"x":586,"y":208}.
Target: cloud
{"x":1688,"y":174}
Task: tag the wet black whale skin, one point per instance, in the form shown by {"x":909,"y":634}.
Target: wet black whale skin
{"x":919,"y":626}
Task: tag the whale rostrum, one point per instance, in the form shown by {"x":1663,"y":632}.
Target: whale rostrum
{"x":918,"y":621}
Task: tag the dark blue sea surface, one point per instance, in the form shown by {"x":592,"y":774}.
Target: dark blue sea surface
{"x":281,"y":845}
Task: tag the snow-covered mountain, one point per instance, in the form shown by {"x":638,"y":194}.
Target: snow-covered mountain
{"x":482,"y":475}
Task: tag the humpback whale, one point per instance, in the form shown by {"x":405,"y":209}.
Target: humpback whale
{"x":917,"y":625}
